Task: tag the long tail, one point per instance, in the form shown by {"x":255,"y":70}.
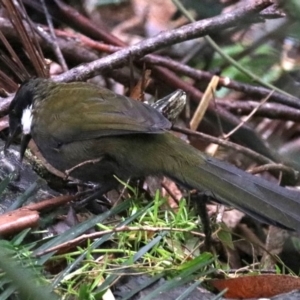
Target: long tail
{"x":251,"y":194}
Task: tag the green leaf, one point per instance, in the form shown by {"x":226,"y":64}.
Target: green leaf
{"x":4,"y":183}
{"x":225,"y":236}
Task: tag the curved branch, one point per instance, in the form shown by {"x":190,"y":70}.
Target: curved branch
{"x":166,"y":38}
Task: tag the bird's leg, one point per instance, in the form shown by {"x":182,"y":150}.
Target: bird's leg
{"x":98,"y":192}
{"x":200,"y":200}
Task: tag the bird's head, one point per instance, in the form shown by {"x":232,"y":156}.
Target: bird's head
{"x":20,"y":114}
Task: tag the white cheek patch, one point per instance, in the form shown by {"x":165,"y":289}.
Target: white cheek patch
{"x":26,"y":120}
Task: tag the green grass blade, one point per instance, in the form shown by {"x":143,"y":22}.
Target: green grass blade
{"x":188,"y":291}
{"x":79,"y":229}
{"x":23,"y":279}
{"x":143,"y":286}
{"x":24,"y":197}
{"x":111,"y":278}
{"x":95,"y":245}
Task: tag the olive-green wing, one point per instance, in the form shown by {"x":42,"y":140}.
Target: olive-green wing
{"x":87,"y":112}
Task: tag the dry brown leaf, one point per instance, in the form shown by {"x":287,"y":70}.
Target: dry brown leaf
{"x":16,"y":221}
{"x":257,"y":286}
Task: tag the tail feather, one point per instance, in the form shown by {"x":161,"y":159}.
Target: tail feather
{"x":263,"y":200}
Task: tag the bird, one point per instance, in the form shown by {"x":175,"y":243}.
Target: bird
{"x":96,"y":135}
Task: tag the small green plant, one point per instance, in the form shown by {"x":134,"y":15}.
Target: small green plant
{"x":152,"y":239}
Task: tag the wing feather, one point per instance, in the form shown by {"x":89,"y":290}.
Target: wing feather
{"x":78,"y":117}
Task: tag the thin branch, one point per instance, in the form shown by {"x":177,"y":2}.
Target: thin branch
{"x":226,"y":144}
{"x":164,"y":39}
{"x":26,"y":35}
{"x":248,"y":89}
{"x":86,"y":162}
{"x":227,"y":57}
{"x":70,"y":44}
{"x":267,"y":110}
{"x":94,"y":235}
{"x":251,"y":114}
{"x":53,"y":40}
{"x":274,"y":167}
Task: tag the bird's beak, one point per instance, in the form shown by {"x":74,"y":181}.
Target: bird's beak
{"x":24,"y":144}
